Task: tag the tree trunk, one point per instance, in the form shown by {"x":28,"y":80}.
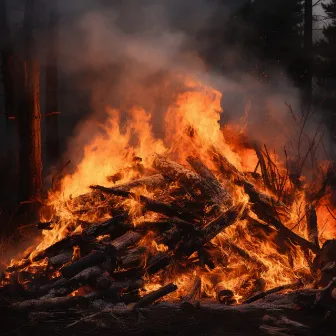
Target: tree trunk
{"x":7,"y":59}
{"x":308,"y":51}
{"x":52,"y":140}
{"x":29,"y":122}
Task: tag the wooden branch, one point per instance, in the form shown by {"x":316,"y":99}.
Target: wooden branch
{"x":51,"y":303}
{"x":92,"y":259}
{"x":227,"y":218}
{"x":189,"y":179}
{"x":128,"y":239}
{"x":311,"y":220}
{"x":133,"y":257}
{"x":224,"y":295}
{"x":151,"y":182}
{"x":221,"y":195}
{"x":60,"y":259}
{"x":149,"y":204}
{"x":245,"y":255}
{"x":154,"y":296}
{"x":194,"y":290}
{"x":272,"y":291}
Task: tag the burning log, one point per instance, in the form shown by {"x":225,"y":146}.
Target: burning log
{"x":192,"y":181}
{"x":149,"y":204}
{"x":50,"y":303}
{"x":205,"y":258}
{"x":134,"y":257}
{"x":85,"y":277}
{"x":224,"y":295}
{"x":154,"y":296}
{"x":92,"y":259}
{"x":158,"y":262}
{"x":64,"y":244}
{"x":154,"y":181}
{"x":128,"y":239}
{"x":103,"y":282}
{"x":114,"y":226}
{"x":223,"y":221}
{"x":262,"y":295}
{"x":190,"y":301}
{"x":60,"y":259}
{"x":194,"y":290}
{"x":311,"y":219}
{"x":263,"y":213}
{"x":200,"y":168}
{"x":245,"y":255}
{"x":55,"y":283}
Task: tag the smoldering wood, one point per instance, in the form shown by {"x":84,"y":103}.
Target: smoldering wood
{"x":164,"y":224}
{"x":194,"y":290}
{"x":148,"y":203}
{"x":170,"y":237}
{"x":263,"y":213}
{"x":151,"y":182}
{"x":92,"y":259}
{"x":263,"y":206}
{"x":261,"y":295}
{"x":311,"y":220}
{"x":210,"y":231}
{"x":114,"y":226}
{"x":245,"y":255}
{"x":50,"y":303}
{"x":23,"y":264}
{"x":61,"y":259}
{"x":170,"y":319}
{"x":224,"y":295}
{"x":154,"y":296}
{"x":84,"y":277}
{"x":159,"y":262}
{"x":133,"y":257}
{"x":205,"y":258}
{"x":263,"y":167}
{"x":54,"y":283}
{"x":103,"y":282}
{"x":222,"y":195}
{"x":191,"y":180}
{"x":126,"y":240}
{"x":63,"y":244}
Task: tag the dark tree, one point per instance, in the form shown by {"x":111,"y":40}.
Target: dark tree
{"x":326,"y":65}
{"x":52,"y":140}
{"x":29,"y":121}
{"x":308,"y":55}
{"x":7,"y":61}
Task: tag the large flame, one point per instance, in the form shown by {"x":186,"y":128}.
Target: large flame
{"x":191,"y":128}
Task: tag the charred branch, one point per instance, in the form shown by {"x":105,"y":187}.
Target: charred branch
{"x":154,"y":296}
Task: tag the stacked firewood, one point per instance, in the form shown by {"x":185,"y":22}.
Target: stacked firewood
{"x":112,"y":263}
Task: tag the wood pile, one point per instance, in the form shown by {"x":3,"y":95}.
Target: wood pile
{"x":115,"y":263}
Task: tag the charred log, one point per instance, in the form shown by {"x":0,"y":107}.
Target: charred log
{"x":272,"y":291}
{"x":149,"y":204}
{"x":92,"y":259}
{"x":51,"y":303}
{"x":128,"y":239}
{"x":154,"y":296}
{"x":311,"y":219}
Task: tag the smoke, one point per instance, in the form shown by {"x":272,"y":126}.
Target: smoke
{"x":128,"y":53}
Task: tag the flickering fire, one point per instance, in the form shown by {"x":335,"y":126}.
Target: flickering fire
{"x":121,"y":154}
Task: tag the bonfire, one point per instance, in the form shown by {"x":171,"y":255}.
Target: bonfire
{"x":200,"y":215}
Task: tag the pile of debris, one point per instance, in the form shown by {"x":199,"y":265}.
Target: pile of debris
{"x":109,"y":265}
